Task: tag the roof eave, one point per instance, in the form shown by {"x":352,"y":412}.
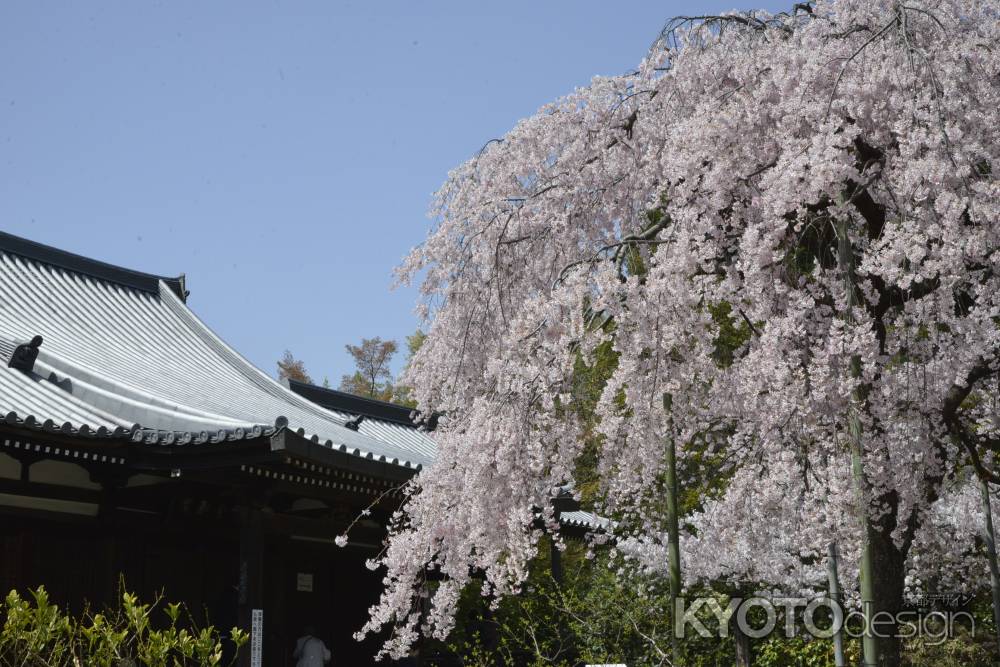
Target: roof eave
{"x":284,"y":440}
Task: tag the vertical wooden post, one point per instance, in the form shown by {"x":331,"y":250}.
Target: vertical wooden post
{"x":870,"y":644}
{"x":251,"y":573}
{"x":107,"y":519}
{"x":991,"y":555}
{"x":673,"y":529}
{"x":838,"y":637}
{"x":555,"y":560}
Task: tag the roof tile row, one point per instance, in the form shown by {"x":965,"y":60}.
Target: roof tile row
{"x":120,"y":360}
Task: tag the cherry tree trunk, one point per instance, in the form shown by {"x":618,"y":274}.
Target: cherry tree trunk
{"x":887,"y":579}
{"x":742,"y":645}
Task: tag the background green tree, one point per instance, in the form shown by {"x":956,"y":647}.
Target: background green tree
{"x":372,"y":376}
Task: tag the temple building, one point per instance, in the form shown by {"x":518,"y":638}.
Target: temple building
{"x":137,"y":447}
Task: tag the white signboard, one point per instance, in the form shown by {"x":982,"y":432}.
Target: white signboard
{"x":304,"y":582}
{"x":256,"y":637}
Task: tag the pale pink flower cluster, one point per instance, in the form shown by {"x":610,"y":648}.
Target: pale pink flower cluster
{"x":755,"y":139}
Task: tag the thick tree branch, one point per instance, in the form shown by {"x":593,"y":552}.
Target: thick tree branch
{"x":950,"y":414}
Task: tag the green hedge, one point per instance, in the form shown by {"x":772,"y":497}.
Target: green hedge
{"x":38,"y":633}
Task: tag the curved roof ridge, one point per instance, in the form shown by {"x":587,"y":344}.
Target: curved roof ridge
{"x":371,"y":408}
{"x":261,"y":379}
{"x":61,"y":370}
{"x":39,"y":252}
{"x":365,"y":400}
{"x":131,"y":404}
{"x":40,"y":395}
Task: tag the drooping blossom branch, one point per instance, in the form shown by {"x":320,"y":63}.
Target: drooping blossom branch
{"x":703,"y":194}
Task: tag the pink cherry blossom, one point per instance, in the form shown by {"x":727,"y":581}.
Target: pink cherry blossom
{"x":755,"y":138}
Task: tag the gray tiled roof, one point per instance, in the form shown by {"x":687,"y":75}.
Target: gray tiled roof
{"x":119,"y":359}
{"x":381,"y":420}
{"x":124,"y":357}
{"x":582,"y":519}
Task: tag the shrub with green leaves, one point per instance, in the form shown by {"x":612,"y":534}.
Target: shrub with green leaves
{"x":38,"y":633}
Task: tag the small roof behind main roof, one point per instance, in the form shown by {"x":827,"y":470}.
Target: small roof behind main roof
{"x":122,"y":351}
{"x":379,"y":419}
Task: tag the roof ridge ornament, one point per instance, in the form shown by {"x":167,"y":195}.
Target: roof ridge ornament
{"x":24,"y":355}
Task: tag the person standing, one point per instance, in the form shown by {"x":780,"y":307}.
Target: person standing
{"x":310,"y":651}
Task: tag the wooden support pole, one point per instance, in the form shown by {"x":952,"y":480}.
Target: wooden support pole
{"x":991,"y":555}
{"x":111,"y":481}
{"x":555,"y":558}
{"x":251,"y":573}
{"x":837,"y":598}
{"x":870,"y":644}
{"x":673,"y":525}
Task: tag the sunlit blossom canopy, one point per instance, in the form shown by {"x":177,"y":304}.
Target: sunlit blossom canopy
{"x":816,"y":189}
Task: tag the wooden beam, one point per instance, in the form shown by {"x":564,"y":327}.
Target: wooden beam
{"x":41,"y":490}
{"x":160,"y":458}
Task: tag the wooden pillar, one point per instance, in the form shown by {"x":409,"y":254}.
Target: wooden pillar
{"x":555,"y":556}
{"x":114,"y":576}
{"x":107,"y":530}
{"x":834,"y":579}
{"x":250,"y":575}
{"x":673,"y":525}
{"x":12,"y":562}
{"x":25,"y":462}
{"x":991,"y":554}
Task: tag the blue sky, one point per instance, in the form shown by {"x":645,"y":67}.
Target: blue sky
{"x":282,"y":155}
